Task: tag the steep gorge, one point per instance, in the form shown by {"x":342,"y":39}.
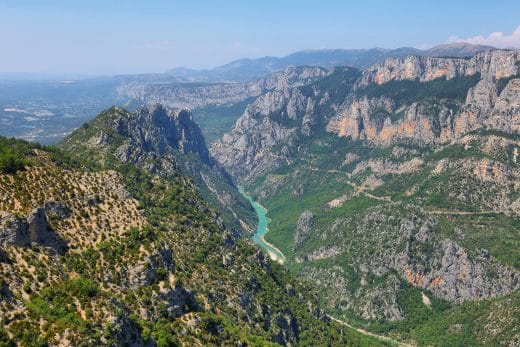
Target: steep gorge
{"x":393,"y":183}
{"x":108,"y":241}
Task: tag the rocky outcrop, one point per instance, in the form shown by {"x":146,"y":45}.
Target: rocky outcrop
{"x":249,"y":148}
{"x":382,"y":167}
{"x":320,"y":253}
{"x":23,"y":232}
{"x":151,"y":269}
{"x":174,"y":302}
{"x":461,"y":277}
{"x":381,"y":302}
{"x":56,"y":210}
{"x":303,"y":227}
{"x":126,"y":332}
{"x":371,"y":119}
{"x":155,"y":131}
{"x":288,"y":330}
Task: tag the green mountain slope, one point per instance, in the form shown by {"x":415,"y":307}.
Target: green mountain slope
{"x":110,"y":254}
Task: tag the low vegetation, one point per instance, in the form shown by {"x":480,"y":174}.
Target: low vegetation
{"x":144,"y":264}
{"x":405,"y":92}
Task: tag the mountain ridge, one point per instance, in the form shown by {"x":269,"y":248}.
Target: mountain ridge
{"x":248,"y":69}
{"x":163,"y":141}
{"x":473,"y":83}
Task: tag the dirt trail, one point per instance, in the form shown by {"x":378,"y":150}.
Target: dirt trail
{"x":461,"y":213}
{"x":368,"y":333}
{"x":362,"y":190}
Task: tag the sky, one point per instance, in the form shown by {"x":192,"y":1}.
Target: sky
{"x":130,"y":36}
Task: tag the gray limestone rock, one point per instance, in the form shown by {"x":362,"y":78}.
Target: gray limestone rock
{"x":303,"y":227}
{"x":34,"y":228}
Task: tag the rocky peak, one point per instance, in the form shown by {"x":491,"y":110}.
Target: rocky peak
{"x":159,"y":129}
{"x":155,"y":137}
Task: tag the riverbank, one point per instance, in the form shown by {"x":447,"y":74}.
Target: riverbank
{"x":279,"y":256}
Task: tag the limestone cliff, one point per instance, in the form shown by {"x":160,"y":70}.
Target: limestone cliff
{"x":491,"y":65}
{"x":483,"y":93}
{"x":186,"y":96}
{"x":271,"y":128}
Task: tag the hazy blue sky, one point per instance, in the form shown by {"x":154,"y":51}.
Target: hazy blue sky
{"x":116,"y":36}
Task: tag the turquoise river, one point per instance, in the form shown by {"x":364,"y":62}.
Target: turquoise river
{"x":262,"y":229}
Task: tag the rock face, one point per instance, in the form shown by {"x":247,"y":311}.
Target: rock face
{"x":490,"y":101}
{"x":151,"y":268}
{"x":256,"y":146}
{"x":268,"y":133}
{"x":288,"y":330}
{"x":303,"y":227}
{"x":461,"y":277}
{"x":156,"y":131}
{"x":23,"y":232}
{"x":57,"y":210}
{"x":126,"y":332}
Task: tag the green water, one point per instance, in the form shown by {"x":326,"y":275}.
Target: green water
{"x":262,"y":229}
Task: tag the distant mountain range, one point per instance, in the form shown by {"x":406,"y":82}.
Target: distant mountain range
{"x":250,"y":69}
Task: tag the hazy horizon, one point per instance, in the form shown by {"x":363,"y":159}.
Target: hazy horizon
{"x":55,"y":37}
